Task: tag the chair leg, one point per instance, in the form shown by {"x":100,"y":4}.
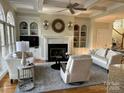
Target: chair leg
{"x":107,"y":71}
{"x":11,"y":81}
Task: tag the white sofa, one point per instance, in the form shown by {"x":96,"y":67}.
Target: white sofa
{"x":105,"y":57}
{"x":12,"y":64}
{"x":77,"y":69}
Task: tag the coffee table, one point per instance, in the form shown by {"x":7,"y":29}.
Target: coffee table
{"x":56,"y":66}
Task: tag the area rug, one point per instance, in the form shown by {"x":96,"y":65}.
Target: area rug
{"x":48,"y":79}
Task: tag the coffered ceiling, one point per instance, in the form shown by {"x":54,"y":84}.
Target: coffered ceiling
{"x":94,"y":7}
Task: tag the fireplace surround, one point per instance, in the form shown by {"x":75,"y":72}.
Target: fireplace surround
{"x":57,"y":50}
{"x":46,"y":40}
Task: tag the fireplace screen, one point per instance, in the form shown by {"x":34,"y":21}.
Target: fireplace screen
{"x":57,"y":52}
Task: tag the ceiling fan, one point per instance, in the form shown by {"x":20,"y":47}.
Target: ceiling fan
{"x":73,"y":6}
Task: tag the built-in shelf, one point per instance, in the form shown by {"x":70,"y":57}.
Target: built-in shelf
{"x":31,"y":30}
{"x":80,"y":36}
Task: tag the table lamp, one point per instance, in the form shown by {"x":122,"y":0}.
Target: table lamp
{"x":22,"y":46}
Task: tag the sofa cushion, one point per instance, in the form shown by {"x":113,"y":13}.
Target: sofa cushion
{"x":110,"y":54}
{"x":101,"y":52}
{"x":100,"y":59}
{"x":29,"y":54}
{"x":80,"y":56}
{"x":19,"y":54}
{"x":92,"y":51}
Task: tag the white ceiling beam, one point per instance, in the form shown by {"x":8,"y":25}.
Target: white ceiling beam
{"x":119,"y":1}
{"x":38,"y":5}
{"x":54,"y":3}
{"x":91,"y":3}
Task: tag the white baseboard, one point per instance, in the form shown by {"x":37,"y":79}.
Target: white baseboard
{"x":3,"y":74}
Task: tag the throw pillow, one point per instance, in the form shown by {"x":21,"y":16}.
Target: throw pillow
{"x":92,"y":51}
{"x":18,"y":54}
{"x":101,"y":52}
{"x":110,"y":54}
{"x":28,"y":54}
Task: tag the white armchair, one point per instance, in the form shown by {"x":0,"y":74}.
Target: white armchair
{"x":77,"y":69}
{"x":12,"y":64}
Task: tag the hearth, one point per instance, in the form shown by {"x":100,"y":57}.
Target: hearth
{"x":57,"y":50}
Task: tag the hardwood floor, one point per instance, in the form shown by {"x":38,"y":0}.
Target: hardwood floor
{"x":6,"y":87}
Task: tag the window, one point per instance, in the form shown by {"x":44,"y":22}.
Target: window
{"x":10,"y":32}
{"x":1,"y":38}
{"x":13,"y":38}
{"x":118,"y":24}
{"x":7,"y":38}
{"x":2,"y":16}
{"x":2,"y":41}
{"x":10,"y":18}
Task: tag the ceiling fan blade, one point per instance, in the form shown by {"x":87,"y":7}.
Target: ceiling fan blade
{"x":71,"y":10}
{"x":75,"y":4}
{"x":76,"y":8}
{"x":61,"y":10}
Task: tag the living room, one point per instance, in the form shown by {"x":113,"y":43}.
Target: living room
{"x":60,"y":31}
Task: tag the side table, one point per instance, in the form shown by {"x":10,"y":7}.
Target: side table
{"x":56,"y":66}
{"x":26,"y":77}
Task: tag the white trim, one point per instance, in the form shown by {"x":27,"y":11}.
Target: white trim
{"x":2,"y":74}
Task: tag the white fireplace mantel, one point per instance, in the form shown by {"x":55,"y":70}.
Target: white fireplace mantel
{"x":57,"y":40}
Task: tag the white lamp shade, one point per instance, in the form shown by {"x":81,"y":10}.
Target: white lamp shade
{"x":22,"y":46}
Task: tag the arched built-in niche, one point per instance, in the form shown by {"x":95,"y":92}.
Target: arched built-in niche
{"x":34,"y":28}
{"x":83,"y":36}
{"x":76,"y":35}
{"x":23,"y":28}
{"x":80,"y":36}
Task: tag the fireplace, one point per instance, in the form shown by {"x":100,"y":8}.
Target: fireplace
{"x":57,"y":50}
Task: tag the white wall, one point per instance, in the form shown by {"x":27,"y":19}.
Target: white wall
{"x":101,"y":35}
{"x":50,"y":19}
